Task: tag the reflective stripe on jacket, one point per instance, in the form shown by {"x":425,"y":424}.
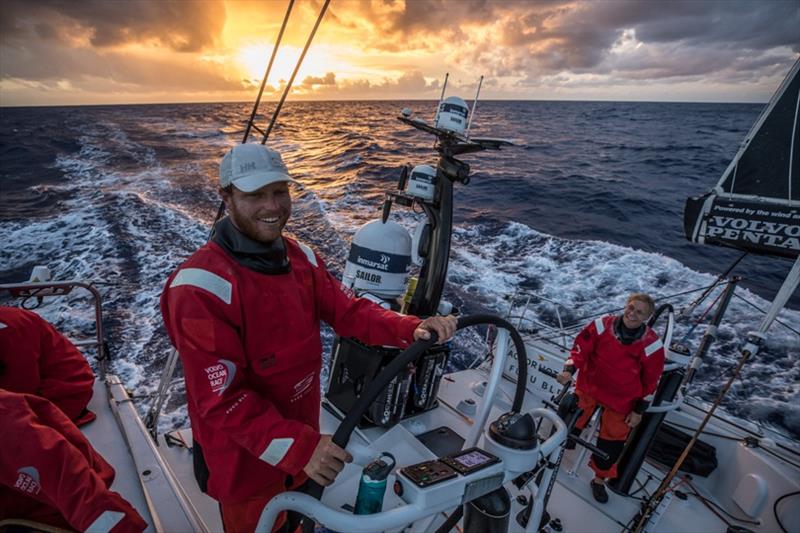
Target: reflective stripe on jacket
{"x":251,"y":352}
{"x":616,"y":374}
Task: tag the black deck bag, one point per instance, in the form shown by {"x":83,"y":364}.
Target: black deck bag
{"x":669,"y":444}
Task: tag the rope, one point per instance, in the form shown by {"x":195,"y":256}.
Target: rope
{"x":664,"y":486}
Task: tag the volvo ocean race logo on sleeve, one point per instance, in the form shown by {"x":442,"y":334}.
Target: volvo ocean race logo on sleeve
{"x":28,"y":480}
{"x":220,"y":375}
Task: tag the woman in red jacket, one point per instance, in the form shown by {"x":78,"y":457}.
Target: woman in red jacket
{"x":619,"y":361}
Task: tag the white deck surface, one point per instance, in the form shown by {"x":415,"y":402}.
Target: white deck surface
{"x":108,"y":440}
{"x":571,"y":500}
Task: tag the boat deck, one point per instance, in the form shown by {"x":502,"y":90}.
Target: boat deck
{"x":571,"y":501}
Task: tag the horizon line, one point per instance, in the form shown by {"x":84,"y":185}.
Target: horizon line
{"x":3,"y":106}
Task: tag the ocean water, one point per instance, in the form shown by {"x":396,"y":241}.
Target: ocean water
{"x":587,"y":208}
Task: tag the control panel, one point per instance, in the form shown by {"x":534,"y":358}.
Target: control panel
{"x":469,"y":460}
{"x":471,"y":473}
{"x":428,"y":473}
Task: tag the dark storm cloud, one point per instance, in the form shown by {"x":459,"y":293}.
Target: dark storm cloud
{"x":83,"y":67}
{"x":556,"y":36}
{"x":185,"y":26}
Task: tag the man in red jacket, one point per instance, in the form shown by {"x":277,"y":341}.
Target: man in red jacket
{"x":619,"y":360}
{"x":50,"y":474}
{"x":36,"y":359}
{"x":244,"y":314}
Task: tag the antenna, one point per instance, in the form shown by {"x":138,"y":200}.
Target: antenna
{"x":444,"y":86}
{"x":474,"y":105}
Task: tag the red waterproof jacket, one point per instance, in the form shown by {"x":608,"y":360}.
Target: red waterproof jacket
{"x":50,"y":473}
{"x":616,"y":374}
{"x":251,"y":352}
{"x":36,"y":359}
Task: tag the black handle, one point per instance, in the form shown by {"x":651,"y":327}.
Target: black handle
{"x":548,"y":372}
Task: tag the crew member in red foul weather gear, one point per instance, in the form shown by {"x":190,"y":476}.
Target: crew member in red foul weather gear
{"x":37,"y":359}
{"x":244,"y":314}
{"x":619,"y":360}
{"x":50,"y":474}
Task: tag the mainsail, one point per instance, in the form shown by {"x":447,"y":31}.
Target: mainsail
{"x":755,"y":207}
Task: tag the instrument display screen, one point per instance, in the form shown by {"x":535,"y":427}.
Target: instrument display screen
{"x":469,"y":460}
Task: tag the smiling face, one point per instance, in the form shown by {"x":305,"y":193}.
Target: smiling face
{"x":261,"y":214}
{"x":635,"y":314}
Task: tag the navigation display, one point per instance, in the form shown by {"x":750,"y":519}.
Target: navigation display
{"x":471,"y":459}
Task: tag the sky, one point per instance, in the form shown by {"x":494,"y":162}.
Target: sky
{"x":62,"y":52}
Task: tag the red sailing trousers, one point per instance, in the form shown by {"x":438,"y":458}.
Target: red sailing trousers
{"x":614,"y":432}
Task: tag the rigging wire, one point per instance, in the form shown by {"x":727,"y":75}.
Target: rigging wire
{"x":700,"y":320}
{"x":266,"y":74}
{"x":751,"y":304}
{"x":739,"y":439}
{"x":655,"y":501}
{"x":689,"y":308}
{"x":294,"y":73}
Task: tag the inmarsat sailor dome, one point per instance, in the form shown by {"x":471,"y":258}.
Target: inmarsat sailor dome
{"x":422,"y":182}
{"x":452,"y":115}
{"x":380,"y":255}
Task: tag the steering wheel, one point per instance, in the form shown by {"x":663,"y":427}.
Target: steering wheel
{"x":398,"y":364}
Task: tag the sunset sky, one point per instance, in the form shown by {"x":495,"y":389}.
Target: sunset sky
{"x":134,"y":51}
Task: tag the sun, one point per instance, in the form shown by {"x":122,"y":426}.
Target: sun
{"x":252,"y":60}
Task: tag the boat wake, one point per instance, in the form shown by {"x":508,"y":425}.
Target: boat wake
{"x":130,"y":198}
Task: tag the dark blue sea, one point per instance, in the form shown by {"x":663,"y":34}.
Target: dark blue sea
{"x":585,"y":210}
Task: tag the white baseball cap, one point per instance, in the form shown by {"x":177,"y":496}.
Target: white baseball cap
{"x":251,"y":166}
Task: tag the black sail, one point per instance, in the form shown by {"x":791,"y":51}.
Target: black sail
{"x":755,"y":207}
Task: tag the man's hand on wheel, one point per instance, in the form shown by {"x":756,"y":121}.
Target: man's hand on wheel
{"x":326,"y":462}
{"x":564,"y":377}
{"x":444,"y":326}
{"x":633,"y":419}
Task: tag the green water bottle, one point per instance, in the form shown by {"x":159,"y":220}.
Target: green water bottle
{"x":373,"y":485}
